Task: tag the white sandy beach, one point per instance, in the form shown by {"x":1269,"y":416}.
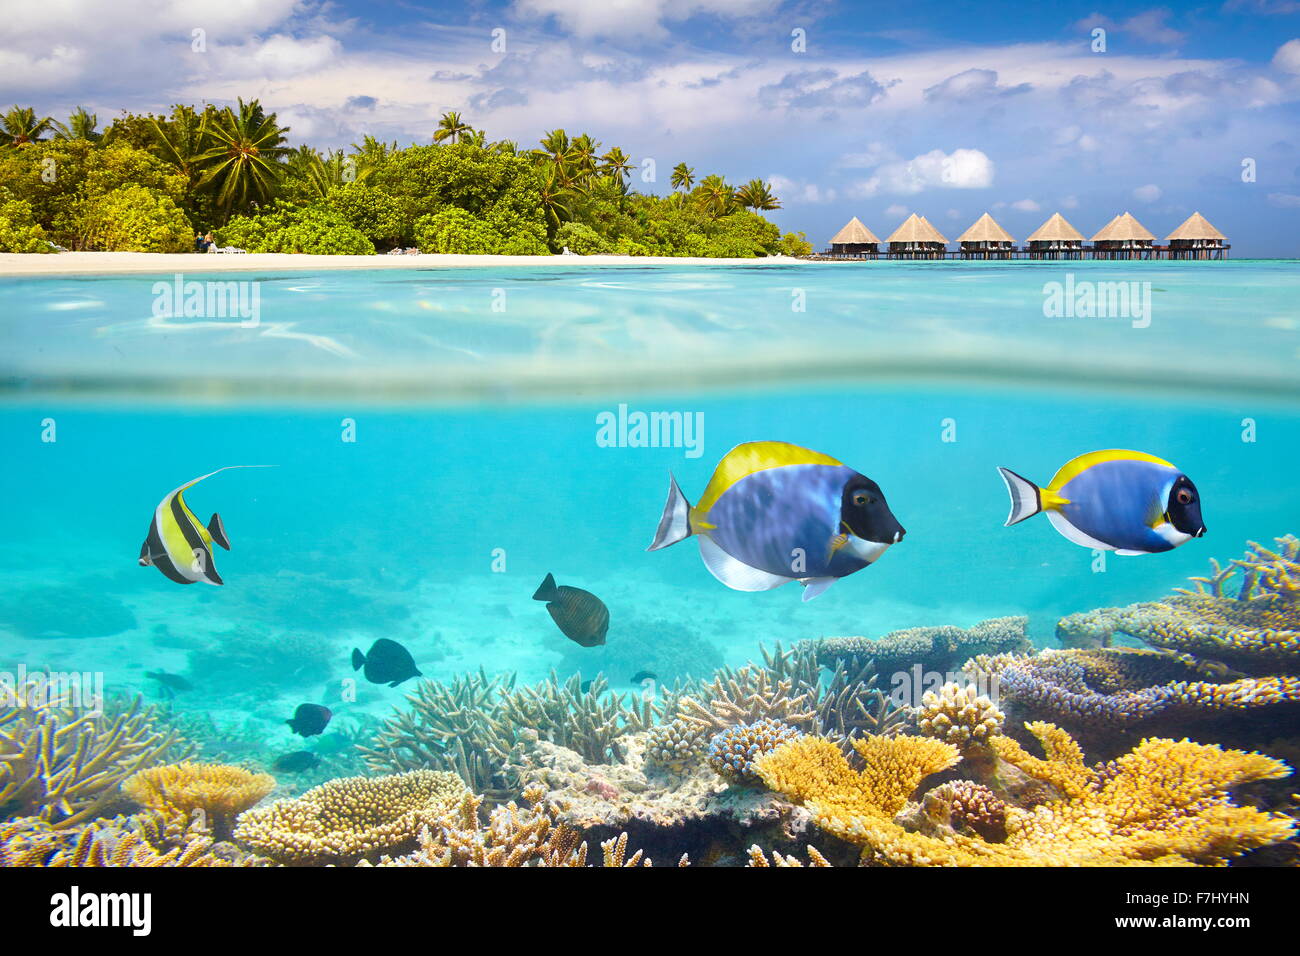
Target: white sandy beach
{"x":116,"y":263}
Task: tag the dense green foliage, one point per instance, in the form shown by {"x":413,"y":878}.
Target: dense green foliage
{"x":148,"y":183}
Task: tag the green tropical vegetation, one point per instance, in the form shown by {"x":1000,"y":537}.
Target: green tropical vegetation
{"x":149,"y":183}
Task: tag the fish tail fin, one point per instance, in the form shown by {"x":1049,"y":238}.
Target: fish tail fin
{"x":547,"y":591}
{"x":217,"y":528}
{"x":675,"y":523}
{"x":358,"y":659}
{"x":1026,"y":497}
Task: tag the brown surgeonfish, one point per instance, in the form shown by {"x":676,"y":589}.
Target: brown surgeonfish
{"x":580,"y":615}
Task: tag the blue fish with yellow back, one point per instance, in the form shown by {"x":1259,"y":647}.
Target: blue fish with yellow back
{"x":1117,"y":500}
{"x":774,"y":513}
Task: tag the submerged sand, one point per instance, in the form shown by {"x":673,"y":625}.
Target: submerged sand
{"x":102,"y":263}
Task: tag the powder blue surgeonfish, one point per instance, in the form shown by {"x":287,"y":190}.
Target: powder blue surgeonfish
{"x":178,"y":544}
{"x":1116,"y":500}
{"x":774,"y":513}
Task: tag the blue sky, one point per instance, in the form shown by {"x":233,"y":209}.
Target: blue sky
{"x":944,"y":109}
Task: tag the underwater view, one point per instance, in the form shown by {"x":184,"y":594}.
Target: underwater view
{"x":391,"y":568}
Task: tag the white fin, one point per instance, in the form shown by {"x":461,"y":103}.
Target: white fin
{"x":1025,"y":500}
{"x":1128,"y":554}
{"x":1072,"y":533}
{"x":735,"y":574}
{"x":815,"y":586}
{"x":675,"y":523}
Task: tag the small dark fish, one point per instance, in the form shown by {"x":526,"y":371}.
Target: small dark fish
{"x":640,"y":676}
{"x":585,"y":686}
{"x":172,"y":682}
{"x":309,"y":719}
{"x":387,"y":663}
{"x":580,"y":615}
{"x":296,"y":762}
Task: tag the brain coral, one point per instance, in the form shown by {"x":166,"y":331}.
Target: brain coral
{"x":179,"y":791}
{"x":350,"y":819}
{"x":733,"y":751}
{"x":1165,"y":803}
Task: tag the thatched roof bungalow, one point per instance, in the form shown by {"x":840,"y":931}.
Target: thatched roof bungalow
{"x":985,"y":239}
{"x":916,"y":239}
{"x":855,"y":239}
{"x":1055,"y":239}
{"x":1197,"y":239}
{"x":1123,"y":238}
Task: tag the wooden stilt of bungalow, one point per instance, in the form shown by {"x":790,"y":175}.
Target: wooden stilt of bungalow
{"x":855,"y":241}
{"x":1055,"y":239}
{"x":916,"y":239}
{"x":1197,"y":239}
{"x":1123,"y":238}
{"x":985,"y":239}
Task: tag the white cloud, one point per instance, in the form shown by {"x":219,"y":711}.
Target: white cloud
{"x":896,"y":211}
{"x":960,"y":169}
{"x":1287,"y":57}
{"x":634,"y":18}
{"x":1148,"y":193}
{"x":1070,"y":202}
{"x":1284,"y":200}
{"x":1026,"y":205}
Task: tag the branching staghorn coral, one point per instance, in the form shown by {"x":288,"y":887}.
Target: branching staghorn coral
{"x":514,"y":836}
{"x":940,"y":649}
{"x":1268,"y":574}
{"x":472,"y":726}
{"x":1112,"y":694}
{"x":746,"y":694}
{"x":1165,"y":803}
{"x":349,"y":819}
{"x":216,"y":792}
{"x":758,"y":859}
{"x":143,"y":841}
{"x":64,"y":764}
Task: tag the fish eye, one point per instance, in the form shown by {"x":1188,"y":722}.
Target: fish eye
{"x":1184,"y":496}
{"x":861,"y":499}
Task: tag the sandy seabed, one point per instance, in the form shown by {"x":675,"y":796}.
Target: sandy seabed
{"x":103,"y":263}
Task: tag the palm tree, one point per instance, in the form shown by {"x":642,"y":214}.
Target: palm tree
{"x":182,"y":141}
{"x":372,"y":152}
{"x":20,"y":127}
{"x":683,"y":177}
{"x":556,"y":198}
{"x":323,"y":174}
{"x":505,"y":147}
{"x":245,"y":162}
{"x":557,"y":153}
{"x":451,"y":127}
{"x":756,"y":194}
{"x":583,"y":152}
{"x":616,"y":163}
{"x":718,"y":198}
{"x":81,"y":125}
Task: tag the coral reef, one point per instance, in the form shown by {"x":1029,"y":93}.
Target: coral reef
{"x":143,"y":841}
{"x":64,"y":764}
{"x":940,"y":649}
{"x":965,"y":806}
{"x":758,"y":859}
{"x":676,"y":746}
{"x":733,"y":751}
{"x":958,"y":715}
{"x":214,"y":793}
{"x":472,"y":726}
{"x":750,"y":693}
{"x":350,"y":819}
{"x":514,"y":836}
{"x":1165,"y":803}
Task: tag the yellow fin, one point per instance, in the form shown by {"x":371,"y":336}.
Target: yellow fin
{"x":1050,"y":499}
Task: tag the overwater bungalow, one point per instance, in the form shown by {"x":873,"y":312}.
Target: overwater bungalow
{"x":916,"y":239}
{"x":1055,"y":239}
{"x":1123,"y":238}
{"x":855,"y":241}
{"x":985,"y":239}
{"x":1197,"y":239}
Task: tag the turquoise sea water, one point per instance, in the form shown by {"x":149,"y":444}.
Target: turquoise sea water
{"x":473,"y":397}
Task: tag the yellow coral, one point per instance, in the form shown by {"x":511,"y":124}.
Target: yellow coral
{"x":179,"y":791}
{"x":958,"y":715}
{"x":1165,"y":803}
{"x":349,"y":819}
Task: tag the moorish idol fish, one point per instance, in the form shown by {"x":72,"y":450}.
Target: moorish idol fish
{"x":1128,"y":502}
{"x":178,"y":544}
{"x":774,"y":513}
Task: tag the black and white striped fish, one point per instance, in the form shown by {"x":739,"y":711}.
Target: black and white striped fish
{"x":178,"y":544}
